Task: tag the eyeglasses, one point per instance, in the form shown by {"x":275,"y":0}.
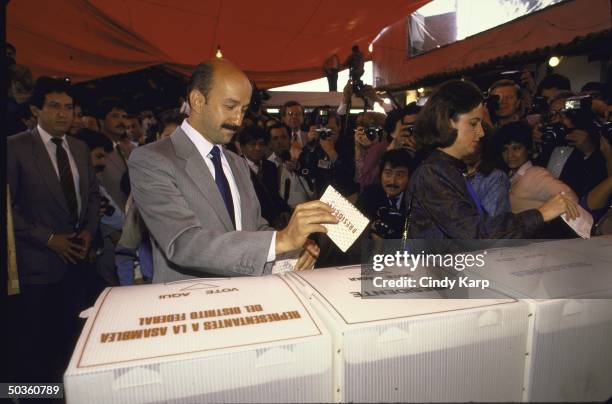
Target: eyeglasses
{"x":291,"y":113}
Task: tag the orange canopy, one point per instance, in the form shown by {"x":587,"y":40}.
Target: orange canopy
{"x":275,"y":42}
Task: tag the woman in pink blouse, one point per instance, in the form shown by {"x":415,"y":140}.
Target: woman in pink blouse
{"x":530,"y":186}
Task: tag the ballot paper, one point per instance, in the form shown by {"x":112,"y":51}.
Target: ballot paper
{"x":581,"y":225}
{"x":351,"y":221}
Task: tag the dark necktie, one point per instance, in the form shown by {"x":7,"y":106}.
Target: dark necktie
{"x":65,"y":174}
{"x":222,"y":184}
{"x":393,"y":201}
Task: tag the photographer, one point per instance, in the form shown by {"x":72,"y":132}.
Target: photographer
{"x":321,"y":162}
{"x":386,"y":203}
{"x":574,"y":133}
{"x":504,"y":102}
{"x":399,"y":125}
{"x":355,"y":63}
{"x":293,"y":189}
{"x":369,"y":146}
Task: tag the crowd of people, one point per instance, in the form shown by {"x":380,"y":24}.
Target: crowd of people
{"x":91,"y":192}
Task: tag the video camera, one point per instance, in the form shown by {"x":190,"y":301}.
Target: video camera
{"x":579,"y":111}
{"x":389,"y":223}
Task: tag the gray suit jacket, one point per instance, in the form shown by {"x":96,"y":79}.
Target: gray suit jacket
{"x":114,"y":171}
{"x":39,"y":205}
{"x":192,"y":232}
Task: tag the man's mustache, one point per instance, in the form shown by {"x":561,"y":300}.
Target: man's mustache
{"x":229,"y":126}
{"x":99,"y":169}
{"x":392,"y":186}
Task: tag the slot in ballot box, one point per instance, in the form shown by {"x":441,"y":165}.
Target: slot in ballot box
{"x":203,"y":340}
{"x":417,"y":349}
{"x":568,"y":287}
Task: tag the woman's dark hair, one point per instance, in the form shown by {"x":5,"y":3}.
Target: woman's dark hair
{"x":514,"y":132}
{"x":451,"y":99}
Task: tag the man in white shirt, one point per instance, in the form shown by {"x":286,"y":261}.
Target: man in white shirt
{"x":292,"y":114}
{"x":197,"y":199}
{"x":55,"y":204}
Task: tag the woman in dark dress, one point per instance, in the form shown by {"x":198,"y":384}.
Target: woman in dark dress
{"x":450,"y":124}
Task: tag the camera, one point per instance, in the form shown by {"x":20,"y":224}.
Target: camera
{"x":606,"y":131}
{"x":321,"y":120}
{"x":492,"y":102}
{"x":373,"y":133}
{"x":358,"y":87}
{"x":554,"y":134}
{"x":538,"y":106}
{"x":389,"y":223}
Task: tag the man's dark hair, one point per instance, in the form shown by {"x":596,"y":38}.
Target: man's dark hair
{"x":554,"y":81}
{"x":11,"y":47}
{"x":397,"y":115}
{"x":252,"y":133}
{"x":47,"y":85}
{"x":355,"y":48}
{"x":106,"y":105}
{"x":397,"y":158}
{"x":290,"y":104}
{"x":278,"y":125}
{"x":94,"y":139}
{"x":201,"y":80}
{"x":514,"y":132}
{"x":451,"y":99}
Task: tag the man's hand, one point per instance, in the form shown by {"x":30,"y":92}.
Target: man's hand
{"x":64,"y":246}
{"x":580,"y":140}
{"x":290,"y":165}
{"x":329,"y":148}
{"x":312,"y":133}
{"x":307,"y":218}
{"x":87,"y":239}
{"x":308,"y":256}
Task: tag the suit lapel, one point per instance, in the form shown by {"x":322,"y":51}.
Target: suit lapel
{"x":46,"y":170}
{"x":198,"y":171}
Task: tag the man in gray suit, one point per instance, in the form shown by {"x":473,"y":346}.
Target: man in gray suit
{"x":113,"y":118}
{"x":55,"y":204}
{"x":197,"y":198}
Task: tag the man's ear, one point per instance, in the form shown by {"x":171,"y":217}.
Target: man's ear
{"x":196,"y":100}
{"x":34,"y":110}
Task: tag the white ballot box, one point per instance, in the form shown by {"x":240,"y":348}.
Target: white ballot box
{"x":568,"y":286}
{"x":417,"y":349}
{"x":201,"y":341}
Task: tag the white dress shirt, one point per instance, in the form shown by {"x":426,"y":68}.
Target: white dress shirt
{"x":204,"y":147}
{"x":47,"y":140}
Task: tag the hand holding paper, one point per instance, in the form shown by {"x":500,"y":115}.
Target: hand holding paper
{"x":351,"y":222}
{"x":307,"y":218}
